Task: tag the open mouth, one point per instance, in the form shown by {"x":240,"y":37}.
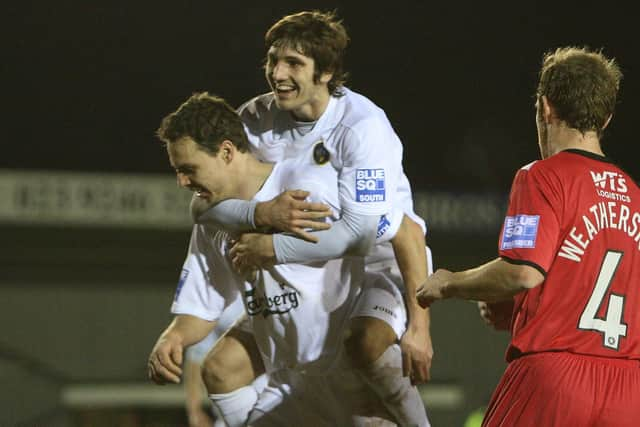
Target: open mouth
{"x":200,"y":191}
{"x":284,"y":90}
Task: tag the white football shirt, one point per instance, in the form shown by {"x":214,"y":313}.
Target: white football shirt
{"x":297,"y":312}
{"x":361,"y":144}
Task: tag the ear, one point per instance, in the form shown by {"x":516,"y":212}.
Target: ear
{"x":548,"y":111}
{"x":326,"y":77}
{"x":606,"y":123}
{"x":227,"y":151}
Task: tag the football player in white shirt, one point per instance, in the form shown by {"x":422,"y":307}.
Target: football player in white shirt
{"x":298,"y":312}
{"x":309,"y":106}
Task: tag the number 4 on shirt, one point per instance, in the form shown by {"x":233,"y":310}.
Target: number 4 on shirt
{"x":611,"y":326}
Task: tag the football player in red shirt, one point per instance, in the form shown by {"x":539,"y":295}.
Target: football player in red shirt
{"x":570,"y":262}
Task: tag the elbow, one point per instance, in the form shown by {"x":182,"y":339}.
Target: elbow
{"x":361,"y":248}
{"x":362,"y":234}
{"x":407,"y":229}
{"x":525,"y":277}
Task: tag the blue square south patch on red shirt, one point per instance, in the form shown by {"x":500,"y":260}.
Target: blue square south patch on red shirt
{"x":520,"y":231}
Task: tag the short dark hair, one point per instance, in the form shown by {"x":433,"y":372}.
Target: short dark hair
{"x":582,"y":85}
{"x":318,"y":35}
{"x":207,"y":120}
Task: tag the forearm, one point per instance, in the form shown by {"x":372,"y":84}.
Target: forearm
{"x":351,"y":235}
{"x":494,"y":281}
{"x":232,"y":215}
{"x":193,"y":385}
{"x":409,"y":249}
{"x":188,"y":330}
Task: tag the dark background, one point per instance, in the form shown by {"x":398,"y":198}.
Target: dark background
{"x":84,"y":86}
{"x":86,"y":83}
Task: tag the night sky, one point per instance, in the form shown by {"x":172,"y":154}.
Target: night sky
{"x":85,"y":84}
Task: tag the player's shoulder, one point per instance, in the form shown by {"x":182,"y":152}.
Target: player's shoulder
{"x":575,"y":166}
{"x":558,"y":164}
{"x":258,"y":104}
{"x":528,"y":166}
{"x":259,"y":111}
{"x":576,"y":162}
{"x":540,"y":173}
{"x":358,"y":110}
{"x":289,"y":170}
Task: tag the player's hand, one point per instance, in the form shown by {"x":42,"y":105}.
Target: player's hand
{"x":289,"y":212}
{"x":252,"y":251}
{"x":165,"y":360}
{"x":431,"y":289}
{"x":417,"y":354}
{"x":497,"y":314}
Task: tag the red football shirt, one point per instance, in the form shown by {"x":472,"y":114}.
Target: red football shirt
{"x":575,"y":217}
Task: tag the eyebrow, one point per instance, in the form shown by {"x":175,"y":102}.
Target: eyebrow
{"x":184,"y":167}
{"x":274,"y":53}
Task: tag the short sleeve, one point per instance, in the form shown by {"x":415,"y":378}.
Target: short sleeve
{"x":531,"y":227}
{"x":202,"y":290}
{"x":371,"y":167}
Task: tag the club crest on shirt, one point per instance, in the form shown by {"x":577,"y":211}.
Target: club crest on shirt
{"x":520,"y":231}
{"x":320,"y":153}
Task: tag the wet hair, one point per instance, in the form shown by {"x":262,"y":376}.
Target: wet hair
{"x":318,"y":35}
{"x":582,"y":85}
{"x":207,"y":120}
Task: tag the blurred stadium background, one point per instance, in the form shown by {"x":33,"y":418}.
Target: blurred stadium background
{"x":94,"y":229}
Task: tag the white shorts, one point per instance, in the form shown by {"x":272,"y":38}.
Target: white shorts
{"x":382,"y":299}
{"x":382,"y":295}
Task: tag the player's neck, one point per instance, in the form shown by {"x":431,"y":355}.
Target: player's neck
{"x":314,"y":109}
{"x":255,"y":173}
{"x":563,"y":138}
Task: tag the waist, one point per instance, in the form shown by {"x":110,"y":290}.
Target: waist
{"x":609,"y":361}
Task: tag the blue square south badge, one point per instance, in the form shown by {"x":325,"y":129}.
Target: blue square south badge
{"x":183,"y":278}
{"x":520,"y":231}
{"x":370,"y":185}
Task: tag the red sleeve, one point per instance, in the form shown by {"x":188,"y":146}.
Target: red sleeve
{"x":531,"y":228}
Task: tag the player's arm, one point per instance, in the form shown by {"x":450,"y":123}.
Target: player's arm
{"x":417,"y":350}
{"x":497,"y":280}
{"x":367,"y":181}
{"x":194,"y":388}
{"x":165,"y":360}
{"x":353,"y":234}
{"x":194,"y":391}
{"x":287,"y":212}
